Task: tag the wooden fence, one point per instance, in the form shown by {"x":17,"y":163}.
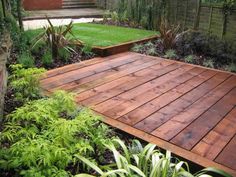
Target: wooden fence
{"x":207,"y":17}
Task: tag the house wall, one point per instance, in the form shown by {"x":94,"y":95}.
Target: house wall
{"x":42,"y":4}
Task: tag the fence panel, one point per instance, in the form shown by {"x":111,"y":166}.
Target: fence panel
{"x":210,"y":19}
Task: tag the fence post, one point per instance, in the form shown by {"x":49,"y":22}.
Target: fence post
{"x":210,"y":19}
{"x":196,"y":22}
{"x":3,"y":8}
{"x":105,"y":4}
{"x":186,"y":13}
{"x":176,"y":12}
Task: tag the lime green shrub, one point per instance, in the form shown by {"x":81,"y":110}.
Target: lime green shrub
{"x":43,"y":137}
{"x":25,"y":82}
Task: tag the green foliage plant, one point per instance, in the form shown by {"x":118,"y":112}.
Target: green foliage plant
{"x":231,"y":67}
{"x":171,"y":54}
{"x":47,"y":58}
{"x":45,"y":136}
{"x":87,"y":50}
{"x":106,"y":16}
{"x":25,"y":82}
{"x":189,"y":59}
{"x":208,"y":62}
{"x":137,"y":48}
{"x":64,"y":54}
{"x":147,"y":161}
{"x":26,"y":59}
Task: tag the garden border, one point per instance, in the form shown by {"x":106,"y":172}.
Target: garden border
{"x":123,"y":47}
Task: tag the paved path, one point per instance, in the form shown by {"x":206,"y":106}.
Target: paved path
{"x":65,"y":13}
{"x":187,"y":109}
{"x":36,"y":24}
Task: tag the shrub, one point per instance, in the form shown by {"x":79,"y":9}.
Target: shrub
{"x":26,"y":59}
{"x":25,"y":82}
{"x":147,"y":161}
{"x":195,"y":42}
{"x":137,"y":48}
{"x":190,"y":59}
{"x":47,"y":58}
{"x":170,"y":54}
{"x":208,"y":62}
{"x":231,"y":67}
{"x":106,"y":15}
{"x":114,"y":16}
{"x":87,"y":50}
{"x":44,"y":136}
{"x":64,"y":54}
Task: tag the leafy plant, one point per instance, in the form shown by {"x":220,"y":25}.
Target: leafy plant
{"x":209,"y":63}
{"x":189,"y":59}
{"x":106,"y":15}
{"x":56,"y":38}
{"x":87,"y":50}
{"x":47,"y":58}
{"x":26,"y":59}
{"x":152,"y":51}
{"x":137,"y":48}
{"x":170,"y":54}
{"x":231,"y":67}
{"x":168,"y":34}
{"x":25,"y":82}
{"x":64,"y":54}
{"x":114,"y":16}
{"x":145,"y":162}
{"x":44,"y":137}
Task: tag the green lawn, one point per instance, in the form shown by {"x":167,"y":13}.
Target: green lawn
{"x":104,"y":35}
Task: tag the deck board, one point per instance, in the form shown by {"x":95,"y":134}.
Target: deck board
{"x":184,"y":108}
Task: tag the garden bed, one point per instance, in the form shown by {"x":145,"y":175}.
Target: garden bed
{"x":106,"y":39}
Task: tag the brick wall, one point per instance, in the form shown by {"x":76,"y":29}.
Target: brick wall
{"x":42,"y":4}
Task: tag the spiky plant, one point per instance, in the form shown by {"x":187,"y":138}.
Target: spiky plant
{"x":168,"y":34}
{"x":57,"y":38}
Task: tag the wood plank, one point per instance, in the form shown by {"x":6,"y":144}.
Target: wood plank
{"x":151,"y":94}
{"x":213,"y":143}
{"x":73,"y":85}
{"x":163,"y":115}
{"x":177,"y":123}
{"x":116,"y":87}
{"x":79,"y":65}
{"x":110,"y":78}
{"x":86,"y":71}
{"x":128,"y":96}
{"x":228,"y":156}
{"x":149,"y":108}
{"x":201,"y":161}
{"x":191,"y":135}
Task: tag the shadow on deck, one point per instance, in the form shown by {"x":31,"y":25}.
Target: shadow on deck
{"x":187,"y":109}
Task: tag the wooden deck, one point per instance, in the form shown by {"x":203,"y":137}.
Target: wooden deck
{"x":183,"y":108}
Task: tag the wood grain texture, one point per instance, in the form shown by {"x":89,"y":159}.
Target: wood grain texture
{"x":184,"y":108}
